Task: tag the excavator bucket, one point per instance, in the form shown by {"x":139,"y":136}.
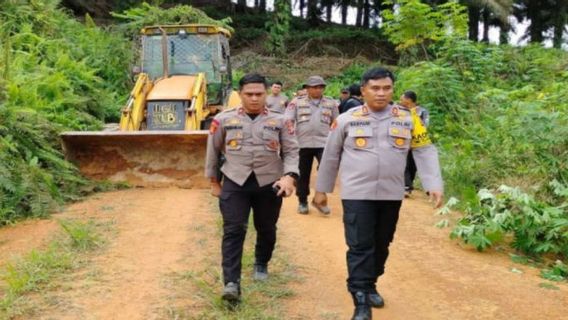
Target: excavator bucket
{"x":141,"y":158}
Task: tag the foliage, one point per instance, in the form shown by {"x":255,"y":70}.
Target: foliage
{"x":279,"y":28}
{"x":58,"y":74}
{"x":537,"y":228}
{"x":498,"y":115}
{"x":557,"y":272}
{"x":147,"y":15}
{"x":82,"y":236}
{"x":414,"y":23}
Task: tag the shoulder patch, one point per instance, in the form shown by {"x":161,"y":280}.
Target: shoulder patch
{"x":214,"y":126}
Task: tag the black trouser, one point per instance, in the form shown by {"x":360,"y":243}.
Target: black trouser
{"x":306,"y":161}
{"x":235,"y":203}
{"x":409,"y":172}
{"x":369,"y":230}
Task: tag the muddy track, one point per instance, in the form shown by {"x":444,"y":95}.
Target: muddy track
{"x":157,"y":232}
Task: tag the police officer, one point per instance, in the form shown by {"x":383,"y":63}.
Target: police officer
{"x":369,"y":145}
{"x":312,"y":116}
{"x":261,"y":165}
{"x":276,"y":100}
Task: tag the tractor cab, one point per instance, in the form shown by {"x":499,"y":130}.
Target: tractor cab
{"x":188,"y":50}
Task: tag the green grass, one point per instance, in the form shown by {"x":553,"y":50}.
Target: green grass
{"x":39,"y":270}
{"x":203,"y":287}
{"x":82,"y":236}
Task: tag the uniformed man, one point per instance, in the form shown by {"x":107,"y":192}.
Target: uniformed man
{"x":312,"y":116}
{"x":368,"y":145}
{"x":301,"y":92}
{"x":409,"y":100}
{"x":276,"y":100}
{"x":261,"y":165}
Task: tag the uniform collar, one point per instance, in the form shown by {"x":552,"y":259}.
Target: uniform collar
{"x":390,"y":110}
{"x":241,"y":111}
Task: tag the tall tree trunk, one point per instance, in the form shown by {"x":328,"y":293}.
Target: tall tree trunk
{"x":241,"y":5}
{"x":262,"y":5}
{"x":486,"y":21}
{"x":359,"y":13}
{"x":473,"y":23}
{"x":313,"y":12}
{"x":366,"y":14}
{"x":256,"y":3}
{"x":302,"y":6}
{"x":504,"y":34}
{"x":536,"y":27}
{"x":328,"y":10}
{"x":559,"y":22}
{"x":344,"y":7}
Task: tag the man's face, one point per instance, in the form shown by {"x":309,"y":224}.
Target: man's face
{"x":253,"y":97}
{"x":315,"y":92}
{"x":405,"y":102}
{"x":343,"y":96}
{"x":276,"y":89}
{"x":378,"y":93}
{"x":301,"y":92}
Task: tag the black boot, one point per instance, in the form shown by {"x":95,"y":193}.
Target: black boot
{"x":375,"y":300}
{"x":362,"y":307}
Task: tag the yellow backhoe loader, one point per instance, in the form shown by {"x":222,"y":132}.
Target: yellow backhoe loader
{"x":183,"y":81}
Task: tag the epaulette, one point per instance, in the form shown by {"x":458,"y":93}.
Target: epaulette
{"x":359,"y":111}
{"x":234,"y":109}
{"x":399,"y":111}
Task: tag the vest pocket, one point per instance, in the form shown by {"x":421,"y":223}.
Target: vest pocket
{"x":234,"y":140}
{"x":304,"y":114}
{"x":271,"y":139}
{"x":360,"y":137}
{"x":399,"y":137}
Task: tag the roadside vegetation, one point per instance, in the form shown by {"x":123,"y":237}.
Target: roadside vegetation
{"x":42,"y":269}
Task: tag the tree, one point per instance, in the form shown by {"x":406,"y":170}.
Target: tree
{"x":328,"y":5}
{"x":366,"y":13}
{"x":559,"y":22}
{"x":241,"y":5}
{"x":313,"y":12}
{"x":415,"y":24}
{"x":344,"y":6}
{"x":490,"y":12}
{"x":358,"y":19}
{"x":279,"y":27}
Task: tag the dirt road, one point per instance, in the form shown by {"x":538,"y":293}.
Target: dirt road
{"x":159,"y":232}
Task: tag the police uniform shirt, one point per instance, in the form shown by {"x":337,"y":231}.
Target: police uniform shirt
{"x":369,"y":149}
{"x":263,"y":145}
{"x":277,"y":103}
{"x":312,"y":119}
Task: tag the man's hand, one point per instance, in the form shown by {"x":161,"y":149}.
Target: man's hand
{"x":438,"y":198}
{"x":286,"y":185}
{"x":215,"y":189}
{"x":320,"y":199}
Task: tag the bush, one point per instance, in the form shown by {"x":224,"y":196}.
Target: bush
{"x":58,"y":74}
{"x":537,"y":228}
